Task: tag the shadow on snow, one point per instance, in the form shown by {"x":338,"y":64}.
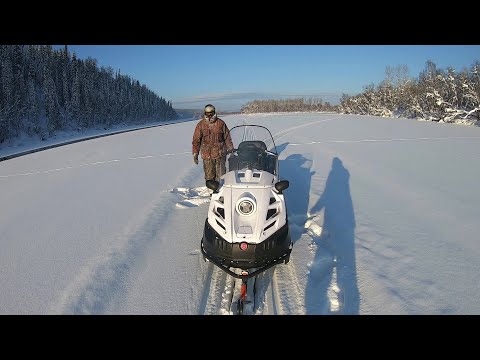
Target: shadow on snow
{"x":332,"y":279}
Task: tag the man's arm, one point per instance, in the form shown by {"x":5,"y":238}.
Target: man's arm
{"x":197,"y":139}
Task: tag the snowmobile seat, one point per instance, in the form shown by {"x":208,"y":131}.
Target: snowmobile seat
{"x":248,"y":145}
{"x":252,"y":154}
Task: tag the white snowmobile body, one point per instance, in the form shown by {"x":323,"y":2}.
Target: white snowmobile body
{"x":247,"y":224}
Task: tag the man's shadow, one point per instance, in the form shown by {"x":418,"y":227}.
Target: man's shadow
{"x":332,"y":279}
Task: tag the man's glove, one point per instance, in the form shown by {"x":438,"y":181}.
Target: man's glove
{"x":195,"y":158}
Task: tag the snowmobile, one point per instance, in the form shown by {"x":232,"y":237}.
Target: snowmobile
{"x":246,"y":230}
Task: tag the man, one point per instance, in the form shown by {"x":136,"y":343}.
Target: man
{"x":212,"y":138}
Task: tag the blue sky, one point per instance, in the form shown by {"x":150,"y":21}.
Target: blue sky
{"x":228,"y":76}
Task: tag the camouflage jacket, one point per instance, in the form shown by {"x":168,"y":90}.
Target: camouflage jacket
{"x":211,"y":139}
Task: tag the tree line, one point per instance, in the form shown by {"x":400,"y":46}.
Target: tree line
{"x":436,"y":95}
{"x":43,"y":90}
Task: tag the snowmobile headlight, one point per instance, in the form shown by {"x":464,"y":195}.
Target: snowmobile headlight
{"x":245,"y":207}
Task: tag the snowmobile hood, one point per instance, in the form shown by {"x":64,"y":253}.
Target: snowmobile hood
{"x":248,"y":179}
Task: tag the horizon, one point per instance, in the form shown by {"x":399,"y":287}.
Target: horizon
{"x":229,"y":76}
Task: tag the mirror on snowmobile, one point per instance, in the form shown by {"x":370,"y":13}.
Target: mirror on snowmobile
{"x":213,"y":185}
{"x":282,"y":185}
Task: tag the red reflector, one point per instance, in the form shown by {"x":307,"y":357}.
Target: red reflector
{"x":243,"y":246}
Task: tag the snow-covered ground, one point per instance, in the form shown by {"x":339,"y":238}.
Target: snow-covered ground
{"x":383,"y":214}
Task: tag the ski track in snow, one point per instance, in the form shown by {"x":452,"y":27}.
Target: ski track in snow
{"x":384,"y":140}
{"x":282,"y":133}
{"x":215,"y":291}
{"x":102,"y":282}
{"x":288,"y":294}
{"x":92,"y":164}
{"x":263,"y":294}
{"x":275,"y":291}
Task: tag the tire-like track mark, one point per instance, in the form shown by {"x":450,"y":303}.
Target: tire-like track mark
{"x":282,"y":133}
{"x":217,"y":292}
{"x":264,"y":296}
{"x":288,"y":297}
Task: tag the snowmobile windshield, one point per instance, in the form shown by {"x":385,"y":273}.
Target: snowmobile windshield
{"x":254,"y":133}
{"x":255,"y":149}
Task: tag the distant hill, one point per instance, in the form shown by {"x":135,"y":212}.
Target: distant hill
{"x":197,"y":113}
{"x":189,"y":113}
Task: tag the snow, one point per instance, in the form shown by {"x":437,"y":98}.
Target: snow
{"x":383,"y":214}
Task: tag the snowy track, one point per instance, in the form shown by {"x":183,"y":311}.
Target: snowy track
{"x":273,"y":292}
{"x":219,"y":292}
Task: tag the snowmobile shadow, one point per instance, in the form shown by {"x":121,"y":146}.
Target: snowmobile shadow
{"x":281,"y":147}
{"x":296,"y":169}
{"x":332,"y":281}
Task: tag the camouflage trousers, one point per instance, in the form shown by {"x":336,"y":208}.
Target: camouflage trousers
{"x":214,"y":168}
